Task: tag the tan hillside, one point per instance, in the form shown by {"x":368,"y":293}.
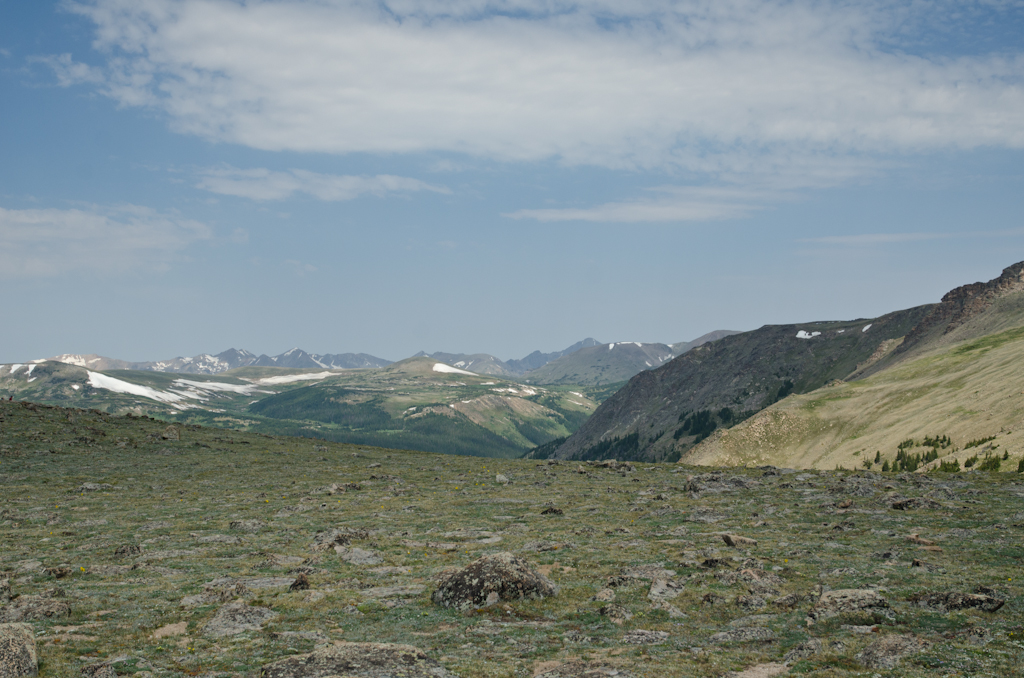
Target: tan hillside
{"x":968,"y":391}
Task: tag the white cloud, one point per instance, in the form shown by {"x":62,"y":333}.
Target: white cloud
{"x":49,"y":242}
{"x":265,"y":184}
{"x":673,"y":204}
{"x":651,"y":83}
{"x":868,"y":239}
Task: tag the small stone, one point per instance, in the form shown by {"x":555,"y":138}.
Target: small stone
{"x":604,"y":596}
{"x":501,"y":478}
{"x":17,"y":651}
{"x":172,"y":432}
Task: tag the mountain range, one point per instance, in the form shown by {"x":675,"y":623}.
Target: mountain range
{"x":813,"y":394}
{"x":608,"y":369}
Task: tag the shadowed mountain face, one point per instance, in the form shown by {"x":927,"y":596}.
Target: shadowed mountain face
{"x":953,"y":394}
{"x":661,"y":410}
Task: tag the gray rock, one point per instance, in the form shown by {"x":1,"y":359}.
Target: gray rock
{"x":17,"y":651}
{"x":804,"y":650}
{"x":246,"y":525}
{"x":751,"y":603}
{"x":581,"y":669}
{"x":219,"y":539}
{"x":664,"y":589}
{"x":509,"y":576}
{"x":94,"y":487}
{"x":358,"y":660}
{"x":644,"y":637}
{"x":358,"y":556}
{"x":887,"y":651}
{"x":951,"y":600}
{"x":394,"y":591}
{"x":235,"y":618}
{"x":33,"y":608}
{"x":743,"y":635}
{"x":842,"y":601}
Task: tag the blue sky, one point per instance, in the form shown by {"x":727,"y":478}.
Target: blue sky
{"x":495,"y":176}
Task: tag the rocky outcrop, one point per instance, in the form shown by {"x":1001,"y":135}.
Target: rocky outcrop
{"x":844,"y":601}
{"x":960,"y":305}
{"x":358,"y":660}
{"x":502,"y":576}
{"x":237,"y":617}
{"x":887,"y":651}
{"x":17,"y":651}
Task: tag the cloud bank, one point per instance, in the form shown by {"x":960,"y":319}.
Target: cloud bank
{"x":585,"y":82}
{"x":52,"y":242}
{"x":731,"y":91}
{"x":265,"y":184}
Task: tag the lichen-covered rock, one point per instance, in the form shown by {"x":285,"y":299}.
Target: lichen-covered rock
{"x":128,"y":551}
{"x":747,"y":634}
{"x":806,"y":649}
{"x":235,"y":618}
{"x":505,"y":574}
{"x":246,"y":525}
{"x":358,"y":660}
{"x":951,"y":600}
{"x":887,"y":651}
{"x":842,"y":601}
{"x":580,"y":669}
{"x":644,"y":637}
{"x":33,"y":608}
{"x":17,"y":651}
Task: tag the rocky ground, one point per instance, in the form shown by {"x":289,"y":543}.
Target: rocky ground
{"x":134,"y":548}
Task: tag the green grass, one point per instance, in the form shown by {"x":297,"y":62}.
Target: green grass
{"x":171,"y":494}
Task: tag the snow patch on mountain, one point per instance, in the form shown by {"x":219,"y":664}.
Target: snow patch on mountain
{"x":289,"y":378}
{"x":448,"y":369}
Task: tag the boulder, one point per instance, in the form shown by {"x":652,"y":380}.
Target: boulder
{"x":172,"y":432}
{"x":235,"y":618}
{"x":17,"y":651}
{"x":736,"y":541}
{"x":843,"y":601}
{"x":887,"y":651}
{"x":951,"y":600}
{"x":358,"y":660}
{"x":505,"y":574}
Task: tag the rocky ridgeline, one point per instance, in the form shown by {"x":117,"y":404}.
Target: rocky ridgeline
{"x":289,"y":558}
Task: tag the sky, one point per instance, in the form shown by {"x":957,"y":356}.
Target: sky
{"x":499,"y":176}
